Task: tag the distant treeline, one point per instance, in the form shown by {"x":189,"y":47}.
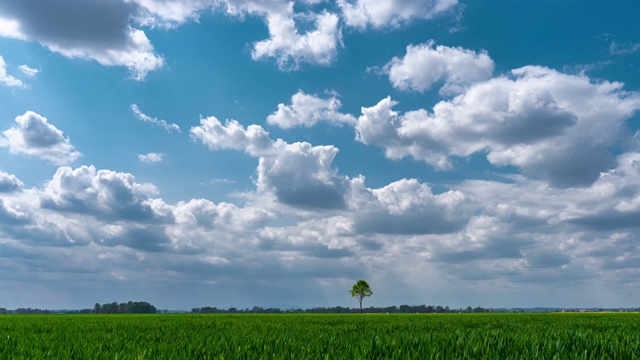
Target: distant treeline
{"x":131,"y":307}
{"x":342,"y":310}
{"x":24,"y":311}
{"x":142,"y":307}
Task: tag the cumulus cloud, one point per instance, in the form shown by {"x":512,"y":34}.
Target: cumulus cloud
{"x":299,"y":174}
{"x":151,"y":158}
{"x":426,"y":64}
{"x":9,"y":183}
{"x":29,"y":71}
{"x":286,"y":44}
{"x":12,"y":216}
{"x":290,"y":48}
{"x":409,"y":207}
{"x":33,"y":135}
{"x":306,"y":110}
{"x":159,"y":122}
{"x":97,"y":30}
{"x":169,"y":13}
{"x":105,"y":194}
{"x":7,"y":79}
{"x":551,"y":125}
{"x":232,"y":135}
{"x":390,"y":13}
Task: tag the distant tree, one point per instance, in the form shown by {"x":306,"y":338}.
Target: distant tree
{"x":131,"y":307}
{"x":360,"y":290}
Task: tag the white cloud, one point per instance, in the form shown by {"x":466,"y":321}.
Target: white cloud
{"x":551,"y":125}
{"x":136,"y":54}
{"x":409,"y":207}
{"x":33,"y":135}
{"x":9,"y":183}
{"x":208,"y":215}
{"x":426,"y":64}
{"x":306,"y":110}
{"x":159,"y":122}
{"x":97,"y":30}
{"x":298,"y":174}
{"x":151,"y":158}
{"x":29,"y":71}
{"x":301,"y":175}
{"x":232,"y":135}
{"x":12,"y":216}
{"x":620,"y":47}
{"x":326,"y":238}
{"x":170,"y":13}
{"x":289,"y":47}
{"x":390,"y":13}
{"x":106,"y":194}
{"x":624,"y":48}
{"x":10,"y":28}
{"x":7,"y":79}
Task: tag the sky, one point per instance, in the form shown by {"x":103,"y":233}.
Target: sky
{"x":240,"y":153}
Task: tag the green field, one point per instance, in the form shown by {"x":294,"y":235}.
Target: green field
{"x":424,"y":336}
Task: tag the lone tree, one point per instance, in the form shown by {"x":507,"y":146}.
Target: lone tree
{"x":360,"y":290}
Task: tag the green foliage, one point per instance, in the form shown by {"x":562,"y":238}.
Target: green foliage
{"x":401,"y":336}
{"x":131,"y":307}
{"x":360,"y":290}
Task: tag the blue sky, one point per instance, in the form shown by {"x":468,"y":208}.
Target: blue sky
{"x":242,"y":152}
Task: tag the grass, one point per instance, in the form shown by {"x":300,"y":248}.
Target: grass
{"x":307,"y":336}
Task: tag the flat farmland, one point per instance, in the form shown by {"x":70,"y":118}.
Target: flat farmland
{"x":310,"y":336}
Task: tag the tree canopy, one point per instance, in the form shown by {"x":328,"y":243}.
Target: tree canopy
{"x":360,"y":290}
{"x":131,"y":307}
